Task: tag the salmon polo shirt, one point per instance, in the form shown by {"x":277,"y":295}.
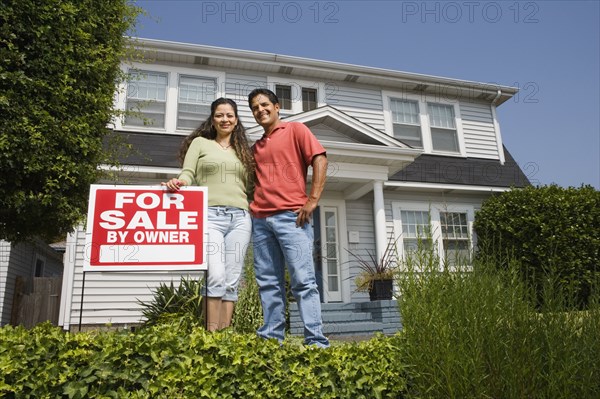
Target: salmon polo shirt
{"x":282,"y":161}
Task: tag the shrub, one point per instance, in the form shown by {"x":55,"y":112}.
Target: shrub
{"x":551,"y":232}
{"x":247,"y":316}
{"x":59,"y":62}
{"x":185,"y":299}
{"x":182,"y":360}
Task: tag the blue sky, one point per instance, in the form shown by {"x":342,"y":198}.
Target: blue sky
{"x":548,"y":49}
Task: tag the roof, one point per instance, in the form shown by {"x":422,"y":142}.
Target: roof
{"x":437,"y":169}
{"x":278,"y":64}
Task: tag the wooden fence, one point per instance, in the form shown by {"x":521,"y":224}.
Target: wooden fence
{"x":36,"y":301}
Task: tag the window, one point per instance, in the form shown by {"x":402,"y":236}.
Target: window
{"x":415,"y":231}
{"x":455,"y":237}
{"x":147,"y":97}
{"x":419,"y":123}
{"x":297,"y":96}
{"x":284,"y":94}
{"x":167,"y":99}
{"x":443,"y":128}
{"x":193,"y":104}
{"x":405,"y":119}
{"x":40,"y":263}
{"x":447,"y":230}
{"x":309,"y":99}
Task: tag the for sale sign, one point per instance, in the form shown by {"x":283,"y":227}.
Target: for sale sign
{"x":145,"y":228}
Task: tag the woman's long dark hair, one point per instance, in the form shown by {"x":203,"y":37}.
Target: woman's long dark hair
{"x":238,"y":140}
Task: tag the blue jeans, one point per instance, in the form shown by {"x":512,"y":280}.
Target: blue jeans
{"x":228,"y":230}
{"x":278,"y":241}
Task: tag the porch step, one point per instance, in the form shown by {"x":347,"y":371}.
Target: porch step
{"x":352,"y":319}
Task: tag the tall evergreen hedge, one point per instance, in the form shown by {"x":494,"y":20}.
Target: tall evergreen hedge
{"x":59,"y":62}
{"x":552,"y":232}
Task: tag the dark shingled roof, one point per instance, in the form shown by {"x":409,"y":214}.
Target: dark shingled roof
{"x":464,"y":171}
{"x":153,"y":149}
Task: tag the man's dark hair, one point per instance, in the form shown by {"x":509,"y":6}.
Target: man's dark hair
{"x":270,"y":95}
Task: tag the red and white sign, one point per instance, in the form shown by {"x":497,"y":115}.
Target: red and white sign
{"x":145,"y":228}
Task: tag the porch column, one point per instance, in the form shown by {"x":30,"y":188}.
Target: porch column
{"x":379,"y":212}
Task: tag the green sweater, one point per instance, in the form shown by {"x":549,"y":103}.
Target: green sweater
{"x":208,"y":164}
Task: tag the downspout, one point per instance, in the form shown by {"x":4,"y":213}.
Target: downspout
{"x":498,"y":94}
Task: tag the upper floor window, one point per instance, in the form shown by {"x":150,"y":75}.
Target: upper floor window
{"x":167,"y":99}
{"x":443,"y":128}
{"x":146,"y":98}
{"x":309,"y":99}
{"x":284,"y":94}
{"x":420,"y":123}
{"x":193,"y":104}
{"x":406,"y":122}
{"x":297,"y":96}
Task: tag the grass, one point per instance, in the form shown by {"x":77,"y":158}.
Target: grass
{"x":474,"y":332}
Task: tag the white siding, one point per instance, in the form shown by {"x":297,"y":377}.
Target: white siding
{"x":323,"y":132}
{"x":237,"y":87}
{"x":363,"y":104}
{"x":479,"y":132}
{"x":108,"y":297}
{"x":5,"y":307}
{"x":360,"y":218}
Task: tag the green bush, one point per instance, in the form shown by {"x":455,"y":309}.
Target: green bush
{"x":59,"y":63}
{"x":180,"y":360}
{"x":553,"y":233}
{"x":169,"y":301}
{"x":247,"y":315}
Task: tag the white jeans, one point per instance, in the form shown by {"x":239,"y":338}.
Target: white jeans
{"x":229,"y":231}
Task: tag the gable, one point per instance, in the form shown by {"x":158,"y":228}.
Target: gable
{"x":324,"y":132}
{"x":330,"y":124}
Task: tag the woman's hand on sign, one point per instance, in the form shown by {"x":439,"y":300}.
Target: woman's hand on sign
{"x":174,"y":184}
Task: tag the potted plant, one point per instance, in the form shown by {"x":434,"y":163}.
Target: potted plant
{"x":377,"y":274}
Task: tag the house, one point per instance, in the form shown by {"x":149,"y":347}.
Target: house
{"x":25,"y":261}
{"x":404,"y":150}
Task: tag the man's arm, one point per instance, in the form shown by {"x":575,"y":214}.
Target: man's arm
{"x":319,"y":164}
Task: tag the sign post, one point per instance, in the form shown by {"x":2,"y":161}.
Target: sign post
{"x":145,"y":228}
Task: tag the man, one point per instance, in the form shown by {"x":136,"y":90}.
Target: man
{"x":282,"y":210}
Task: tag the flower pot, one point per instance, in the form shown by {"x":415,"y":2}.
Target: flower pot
{"x":381,"y":290}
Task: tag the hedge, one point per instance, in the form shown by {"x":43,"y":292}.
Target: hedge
{"x":181,"y":360}
{"x":553,"y":233}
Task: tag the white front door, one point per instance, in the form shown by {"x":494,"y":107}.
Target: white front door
{"x":330,"y":254}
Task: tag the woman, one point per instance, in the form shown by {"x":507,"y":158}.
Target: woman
{"x":216,"y":155}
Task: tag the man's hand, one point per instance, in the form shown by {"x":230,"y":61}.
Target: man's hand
{"x":305,"y":213}
{"x":319,"y":164}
